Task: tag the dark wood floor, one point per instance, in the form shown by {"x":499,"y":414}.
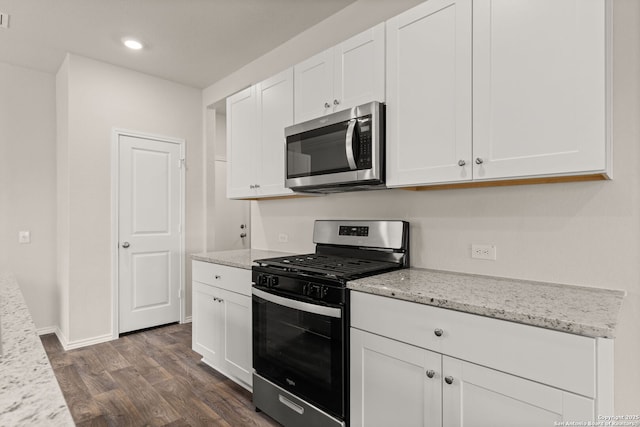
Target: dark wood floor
{"x":149,"y":378}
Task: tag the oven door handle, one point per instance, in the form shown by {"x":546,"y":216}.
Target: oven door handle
{"x":298,"y":305}
{"x":351,"y":130}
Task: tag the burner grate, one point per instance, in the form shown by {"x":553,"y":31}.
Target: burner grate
{"x":329,"y":265}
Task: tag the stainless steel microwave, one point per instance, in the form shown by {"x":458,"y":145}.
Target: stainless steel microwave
{"x":343,"y":151}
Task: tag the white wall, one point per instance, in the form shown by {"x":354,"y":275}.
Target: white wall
{"x":573,"y":233}
{"x":102,"y":97}
{"x":27,"y":186}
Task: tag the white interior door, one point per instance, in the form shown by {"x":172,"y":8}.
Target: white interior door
{"x":149,"y":232}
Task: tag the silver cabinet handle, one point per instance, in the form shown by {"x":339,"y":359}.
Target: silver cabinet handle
{"x":448,"y":380}
{"x":461,"y":163}
{"x":431,"y":373}
{"x":438,"y":332}
{"x":336,"y":102}
{"x":479,"y":161}
{"x":327,"y":105}
{"x":125,"y":245}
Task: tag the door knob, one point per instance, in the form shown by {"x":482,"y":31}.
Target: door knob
{"x":125,"y":245}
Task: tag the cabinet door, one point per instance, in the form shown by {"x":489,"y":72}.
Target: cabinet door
{"x":313,"y":80}
{"x":539,"y":101}
{"x":275,"y":109}
{"x":242,"y":143}
{"x":389,"y":385}
{"x":236,"y":312}
{"x":359,"y":69}
{"x":429,"y":94}
{"x":481,"y":397}
{"x":206,"y":323}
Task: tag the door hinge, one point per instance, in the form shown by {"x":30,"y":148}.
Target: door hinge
{"x":181,"y":163}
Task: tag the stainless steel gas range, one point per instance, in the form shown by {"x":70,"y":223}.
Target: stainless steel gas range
{"x":301,"y":319}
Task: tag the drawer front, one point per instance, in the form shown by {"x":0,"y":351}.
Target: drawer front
{"x":230,"y":278}
{"x":555,"y":358}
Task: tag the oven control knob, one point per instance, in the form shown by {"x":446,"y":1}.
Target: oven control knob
{"x":272,"y":281}
{"x":260,"y":279}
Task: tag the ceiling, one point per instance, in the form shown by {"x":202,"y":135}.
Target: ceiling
{"x":193,"y":42}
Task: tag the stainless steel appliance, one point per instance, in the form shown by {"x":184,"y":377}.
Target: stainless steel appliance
{"x":301,"y":319}
{"x":343,"y":151}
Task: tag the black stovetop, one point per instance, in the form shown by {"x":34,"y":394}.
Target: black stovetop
{"x":328,"y":265}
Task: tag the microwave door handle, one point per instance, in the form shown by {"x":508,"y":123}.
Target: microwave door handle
{"x":351,"y":130}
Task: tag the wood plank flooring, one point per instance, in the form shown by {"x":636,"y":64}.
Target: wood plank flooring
{"x":149,"y":378}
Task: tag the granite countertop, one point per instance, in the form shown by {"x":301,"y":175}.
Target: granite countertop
{"x":29,"y":392}
{"x":240,"y":258}
{"x":590,"y":312}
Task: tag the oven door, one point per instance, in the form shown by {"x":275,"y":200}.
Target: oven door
{"x":300,"y":346}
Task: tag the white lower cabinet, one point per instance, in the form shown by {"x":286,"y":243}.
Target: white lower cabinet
{"x":416,"y":377}
{"x":389,"y":385}
{"x":222,"y":330}
{"x":479,"y":396}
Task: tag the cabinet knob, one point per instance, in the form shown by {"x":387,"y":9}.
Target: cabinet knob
{"x":431,"y":373}
{"x":217,"y":277}
{"x":256,"y":186}
{"x":479,"y":161}
{"x":327,"y":105}
{"x":215,"y":299}
{"x":438,"y":332}
{"x":243,"y":235}
{"x":336,"y":102}
{"x":461,"y":163}
{"x":125,"y":245}
{"x":448,"y":380}
{"x":252,"y":186}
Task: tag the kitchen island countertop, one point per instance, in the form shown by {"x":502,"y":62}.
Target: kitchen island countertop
{"x":591,"y":312}
{"x":239,"y":258}
{"x":30,"y":394}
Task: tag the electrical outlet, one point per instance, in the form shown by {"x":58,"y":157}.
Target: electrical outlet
{"x":483,"y":252}
{"x":283,"y":238}
{"x":24,"y":237}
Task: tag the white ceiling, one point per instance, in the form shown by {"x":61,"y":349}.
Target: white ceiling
{"x":194,"y":42}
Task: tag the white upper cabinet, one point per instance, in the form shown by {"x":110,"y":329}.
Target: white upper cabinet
{"x":539,"y":81}
{"x":502,"y":90}
{"x":429,"y":94}
{"x":256,"y":118}
{"x":275,"y":112}
{"x":342,"y":77}
{"x":242,"y":137}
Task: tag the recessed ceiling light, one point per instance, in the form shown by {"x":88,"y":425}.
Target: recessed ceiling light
{"x":132,"y":43}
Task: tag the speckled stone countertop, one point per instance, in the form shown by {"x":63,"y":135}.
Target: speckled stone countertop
{"x":240,"y":258}
{"x":590,"y":312}
{"x":29,"y":392}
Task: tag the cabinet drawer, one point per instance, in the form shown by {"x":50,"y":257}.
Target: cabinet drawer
{"x":559,"y":359}
{"x":230,"y":278}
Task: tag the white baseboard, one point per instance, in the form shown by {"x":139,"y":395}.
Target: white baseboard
{"x":188,"y":319}
{"x":70,"y":345}
{"x":46,"y":330}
